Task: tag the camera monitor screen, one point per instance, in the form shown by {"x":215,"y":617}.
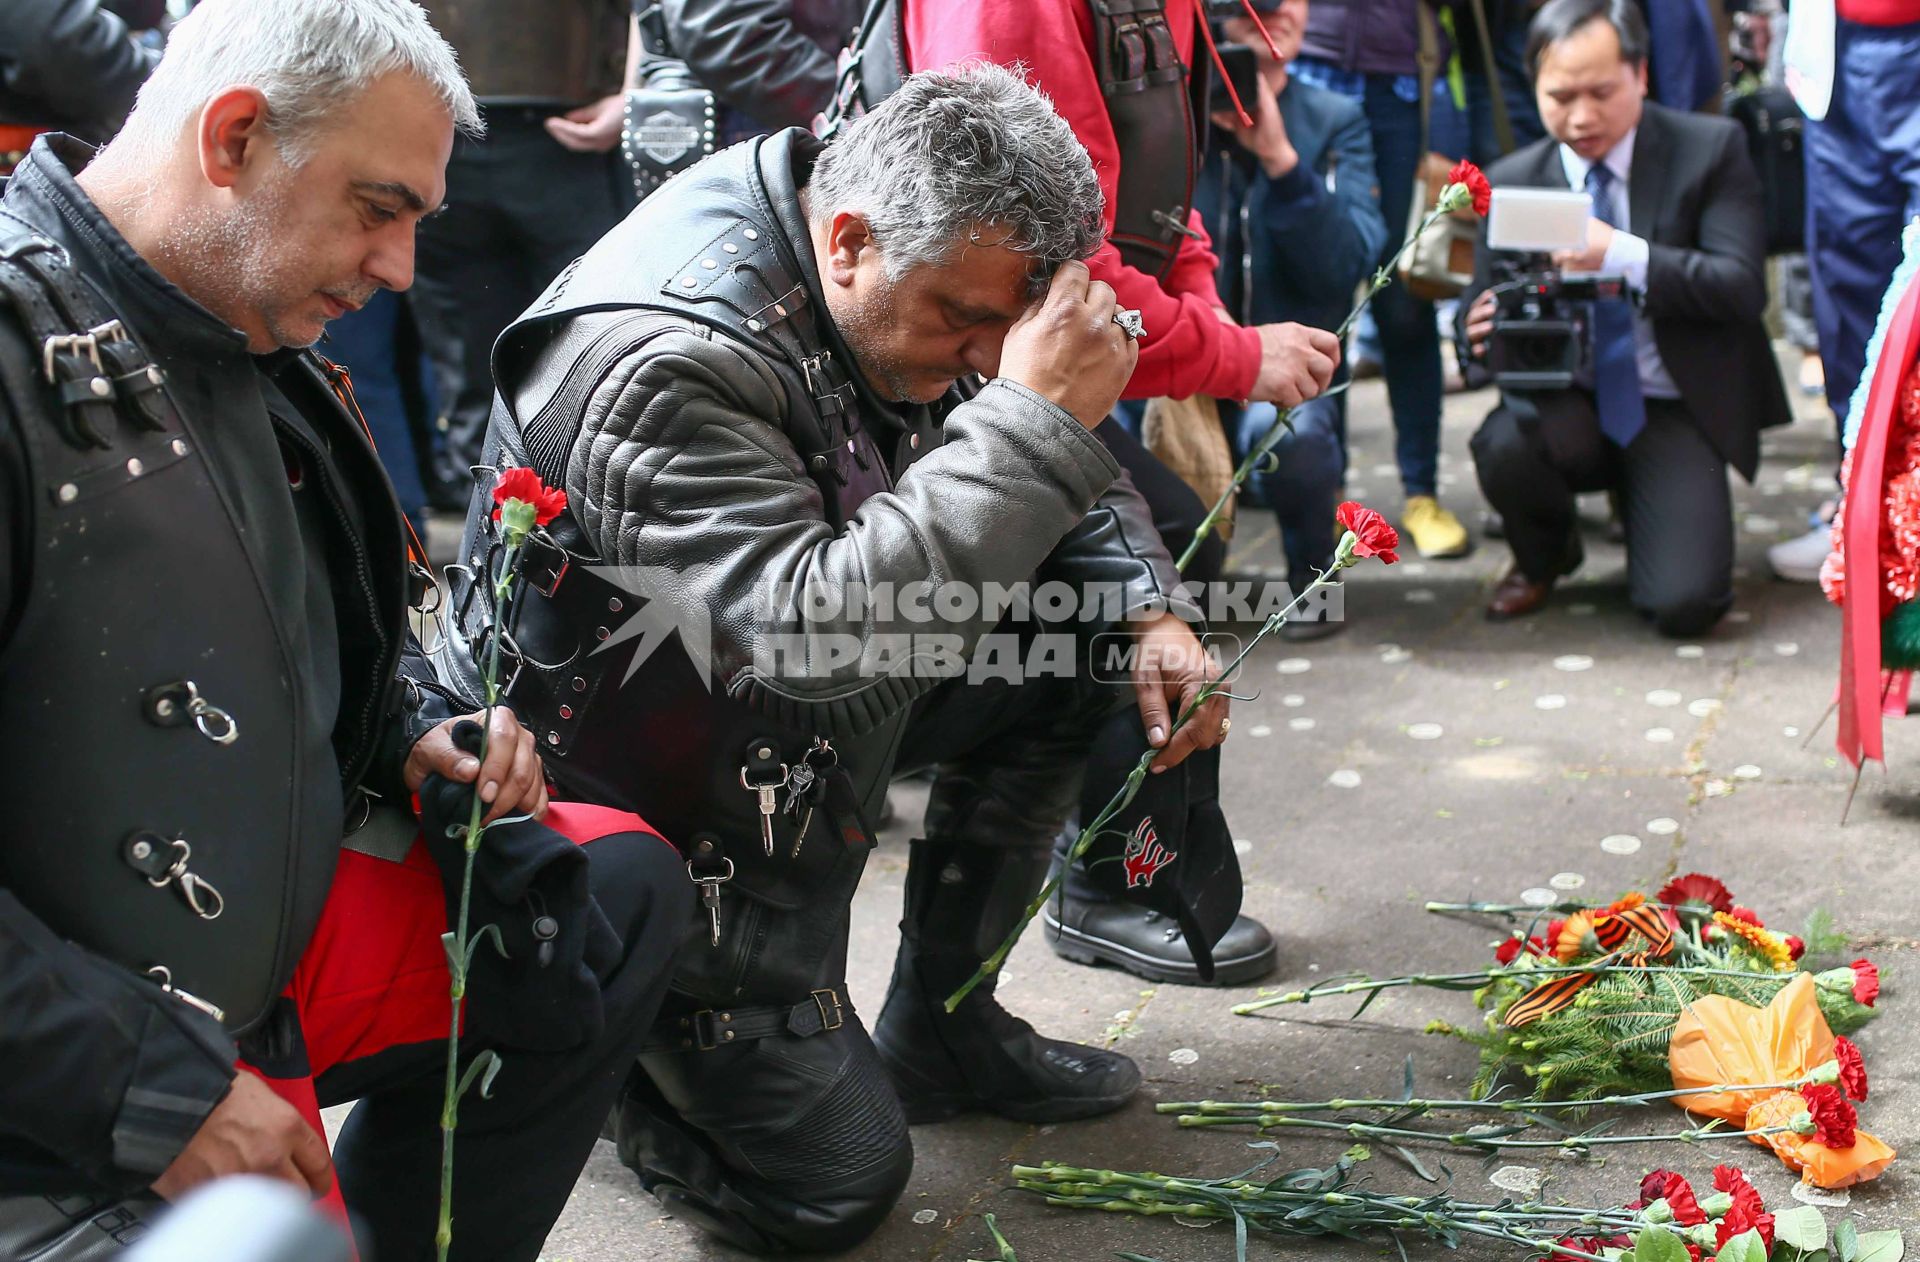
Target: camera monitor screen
{"x":1538,"y":219}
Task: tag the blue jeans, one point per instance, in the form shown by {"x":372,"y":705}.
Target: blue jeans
{"x":1409,"y":339}
{"x":1302,"y":486}
{"x":1863,"y":184}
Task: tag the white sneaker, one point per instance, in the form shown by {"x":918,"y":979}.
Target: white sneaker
{"x":1799,"y":560}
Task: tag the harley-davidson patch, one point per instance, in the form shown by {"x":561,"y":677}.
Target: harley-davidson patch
{"x":1145,"y":856}
{"x":665,"y":136}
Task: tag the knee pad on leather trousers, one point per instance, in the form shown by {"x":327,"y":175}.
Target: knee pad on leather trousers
{"x":779,"y":1145}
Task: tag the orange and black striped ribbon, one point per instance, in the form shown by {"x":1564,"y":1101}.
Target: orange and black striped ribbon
{"x":1556,"y":993}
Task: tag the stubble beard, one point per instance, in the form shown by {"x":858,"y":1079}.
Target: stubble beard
{"x":863,"y":329}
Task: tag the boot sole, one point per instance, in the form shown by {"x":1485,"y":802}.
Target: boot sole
{"x":945,"y":1106}
{"x":937,"y":1105}
{"x":1081,"y":948}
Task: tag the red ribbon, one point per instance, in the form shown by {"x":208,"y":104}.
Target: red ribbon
{"x":1860,"y":669}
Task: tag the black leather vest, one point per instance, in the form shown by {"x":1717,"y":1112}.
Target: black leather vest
{"x":1148,"y":102}
{"x":149,"y":712}
{"x":669,"y":742}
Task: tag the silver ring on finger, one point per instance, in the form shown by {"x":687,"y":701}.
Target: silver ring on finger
{"x":1130,"y":323}
{"x":1226,"y":725}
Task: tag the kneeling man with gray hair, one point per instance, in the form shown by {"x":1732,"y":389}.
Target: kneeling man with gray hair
{"x":763,"y":394}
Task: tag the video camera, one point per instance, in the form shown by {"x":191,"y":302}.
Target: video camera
{"x":1541,"y":314}
{"x":1539,"y":337}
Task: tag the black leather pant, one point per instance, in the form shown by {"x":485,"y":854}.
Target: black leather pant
{"x":798,"y":1144}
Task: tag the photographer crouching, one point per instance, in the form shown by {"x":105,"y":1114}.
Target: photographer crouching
{"x":1637,"y":364}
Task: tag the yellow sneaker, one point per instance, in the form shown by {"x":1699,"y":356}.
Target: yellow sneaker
{"x":1435,"y":532}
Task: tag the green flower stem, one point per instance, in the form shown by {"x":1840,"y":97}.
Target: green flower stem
{"x":1343,"y":557}
{"x":1480,"y":977}
{"x":457,"y":960}
{"x":1236,"y":1108}
{"x":1281,"y":421}
{"x":1566,"y":908}
{"x":1281,"y":1210}
{"x":1493,"y":1142}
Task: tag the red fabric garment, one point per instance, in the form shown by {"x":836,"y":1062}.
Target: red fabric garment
{"x":1187,"y":349}
{"x":373,"y":975}
{"x":1879,"y":12}
{"x":1863,"y":511}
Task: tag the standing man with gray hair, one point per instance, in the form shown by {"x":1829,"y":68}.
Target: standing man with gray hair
{"x":763,"y":395}
{"x":207,"y":680}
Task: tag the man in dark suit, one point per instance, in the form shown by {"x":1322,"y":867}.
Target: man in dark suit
{"x":1683,"y":377}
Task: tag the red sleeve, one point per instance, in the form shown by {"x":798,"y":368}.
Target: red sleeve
{"x":1187,"y":350}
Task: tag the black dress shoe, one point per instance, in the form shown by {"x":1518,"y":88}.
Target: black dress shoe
{"x":1149,"y":945}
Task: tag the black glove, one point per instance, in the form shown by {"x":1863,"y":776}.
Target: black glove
{"x":530,"y":882}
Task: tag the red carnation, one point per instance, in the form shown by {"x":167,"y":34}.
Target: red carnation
{"x":1795,"y":947}
{"x":1678,"y":1194}
{"x":521,"y":483}
{"x":1696,"y":887}
{"x":1591,"y":1245}
{"x":1509,"y":951}
{"x":1866,"y":982}
{"x":1466,"y":173}
{"x":1733,"y":1181}
{"x":1853,"y":1068}
{"x":1375,"y":537}
{"x":1748,"y":1212}
{"x":1749,"y":915}
{"x":1833,"y":1118}
{"x":1653,"y":1186}
{"x":1741,"y":1219}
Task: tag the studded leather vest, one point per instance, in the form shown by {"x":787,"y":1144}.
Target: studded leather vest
{"x":173,"y":803}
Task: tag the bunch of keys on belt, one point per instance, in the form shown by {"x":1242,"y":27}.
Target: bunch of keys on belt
{"x":807,"y":787}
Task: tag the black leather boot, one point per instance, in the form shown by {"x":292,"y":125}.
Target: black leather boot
{"x":962,"y":900}
{"x":1148,"y":944}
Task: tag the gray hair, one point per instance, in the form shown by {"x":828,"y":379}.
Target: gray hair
{"x":955,"y":151}
{"x":305,"y":56}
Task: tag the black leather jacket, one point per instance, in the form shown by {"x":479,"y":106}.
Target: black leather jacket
{"x":175,"y":549}
{"x":69,"y":65}
{"x":771,"y":60}
{"x":685,"y":385}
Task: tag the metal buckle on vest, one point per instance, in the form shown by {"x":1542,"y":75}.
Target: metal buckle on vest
{"x":820,"y":384}
{"x":87,"y":344}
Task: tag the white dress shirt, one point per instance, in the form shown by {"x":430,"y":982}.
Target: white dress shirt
{"x":1626,"y":257}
